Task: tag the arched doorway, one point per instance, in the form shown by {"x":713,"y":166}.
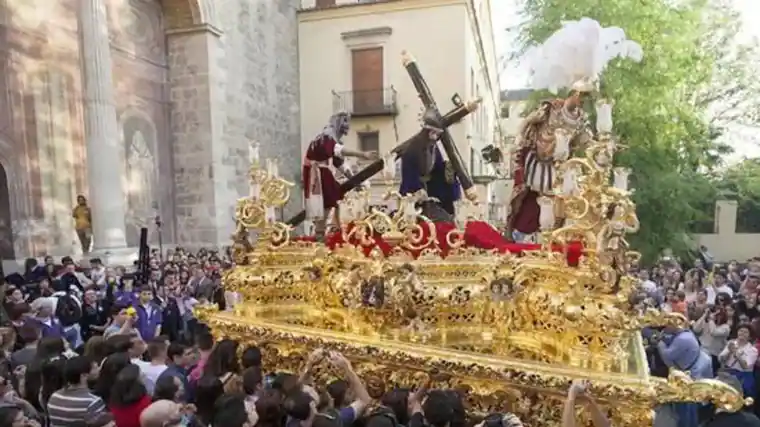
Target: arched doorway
{"x":6,"y":230}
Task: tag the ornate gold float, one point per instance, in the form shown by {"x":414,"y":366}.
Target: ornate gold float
{"x":513,"y":330}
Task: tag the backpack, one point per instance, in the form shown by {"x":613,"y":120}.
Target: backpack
{"x":333,"y":415}
{"x":68,"y":310}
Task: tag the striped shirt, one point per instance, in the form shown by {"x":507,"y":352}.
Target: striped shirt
{"x":76,"y":407}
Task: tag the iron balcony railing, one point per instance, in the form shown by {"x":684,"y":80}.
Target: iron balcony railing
{"x":373,"y":102}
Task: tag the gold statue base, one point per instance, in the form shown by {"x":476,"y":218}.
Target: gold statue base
{"x":534,"y":391}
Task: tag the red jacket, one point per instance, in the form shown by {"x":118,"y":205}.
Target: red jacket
{"x":129,"y":416}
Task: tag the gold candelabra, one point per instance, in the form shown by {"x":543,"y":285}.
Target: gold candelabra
{"x":257,"y":212}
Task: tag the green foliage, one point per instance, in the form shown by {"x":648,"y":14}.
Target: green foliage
{"x":741,"y":182}
{"x":664,"y":106}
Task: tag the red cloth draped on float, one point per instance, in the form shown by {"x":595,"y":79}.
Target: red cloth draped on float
{"x":477,"y":234}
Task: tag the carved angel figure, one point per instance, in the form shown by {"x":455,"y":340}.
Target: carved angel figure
{"x":407,"y":281}
{"x":373,"y":292}
{"x":347,"y":285}
{"x":611,"y":243}
{"x":547,"y":137}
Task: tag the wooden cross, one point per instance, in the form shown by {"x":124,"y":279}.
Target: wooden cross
{"x":432,"y":117}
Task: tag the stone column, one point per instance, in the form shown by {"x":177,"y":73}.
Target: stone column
{"x":101,"y":129}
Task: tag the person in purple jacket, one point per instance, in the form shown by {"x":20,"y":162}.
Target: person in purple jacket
{"x":126,"y":294}
{"x":49,"y":326}
{"x":149,"y":316}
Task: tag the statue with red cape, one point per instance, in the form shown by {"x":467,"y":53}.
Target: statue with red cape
{"x":325,"y":153}
{"x":546,"y":138}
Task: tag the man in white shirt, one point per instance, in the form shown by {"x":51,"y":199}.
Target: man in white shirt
{"x":720,"y":283}
{"x":647,"y":285}
{"x":157,"y":350}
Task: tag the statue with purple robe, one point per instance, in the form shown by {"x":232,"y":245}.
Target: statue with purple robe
{"x":424,"y":168}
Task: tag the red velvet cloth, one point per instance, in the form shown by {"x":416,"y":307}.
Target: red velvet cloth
{"x":476,"y":234}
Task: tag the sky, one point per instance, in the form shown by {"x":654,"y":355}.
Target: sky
{"x":746,"y":141}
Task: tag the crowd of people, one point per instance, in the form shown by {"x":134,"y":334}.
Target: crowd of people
{"x":720,"y":305}
{"x":84,"y":346}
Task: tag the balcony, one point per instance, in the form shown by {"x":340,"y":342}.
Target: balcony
{"x":366,"y":103}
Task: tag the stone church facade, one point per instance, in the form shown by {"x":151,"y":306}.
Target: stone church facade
{"x":147,"y":107}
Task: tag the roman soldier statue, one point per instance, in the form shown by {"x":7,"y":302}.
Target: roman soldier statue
{"x":574,"y":57}
{"x":546,"y":137}
{"x":321,"y":189}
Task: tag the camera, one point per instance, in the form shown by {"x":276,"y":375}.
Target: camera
{"x":492,"y":154}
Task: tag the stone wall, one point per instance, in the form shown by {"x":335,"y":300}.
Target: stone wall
{"x":261,"y":56}
{"x":216,"y":85}
{"x":230,"y":89}
{"x":192,"y":138}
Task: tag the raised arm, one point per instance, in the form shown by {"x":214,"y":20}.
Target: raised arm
{"x":313,"y":358}
{"x":363,"y":398}
{"x":578,"y":390}
{"x":670,"y":353}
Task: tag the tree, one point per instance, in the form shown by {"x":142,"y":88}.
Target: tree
{"x":663,"y":104}
{"x":741,"y":182}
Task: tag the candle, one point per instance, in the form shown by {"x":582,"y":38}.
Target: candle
{"x":271,"y":215}
{"x":546,"y":214}
{"x":253,"y":152}
{"x":364,"y":207}
{"x":562,"y":144}
{"x":271,"y":167}
{"x":570,"y":181}
{"x":389,"y":168}
{"x":308,"y":228}
{"x":620,"y":178}
{"x":275,"y":169}
{"x":409,"y":210}
{"x":604,"y":116}
{"x":254,"y":190}
{"x":347,"y":210}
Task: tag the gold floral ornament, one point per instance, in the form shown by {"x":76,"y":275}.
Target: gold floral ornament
{"x":680,"y":387}
{"x":466,"y":211}
{"x":406,"y":228}
{"x":510,"y":329}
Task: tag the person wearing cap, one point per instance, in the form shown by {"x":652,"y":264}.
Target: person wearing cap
{"x":680,"y":349}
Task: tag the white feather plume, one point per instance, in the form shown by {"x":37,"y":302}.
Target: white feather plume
{"x":579,"y":51}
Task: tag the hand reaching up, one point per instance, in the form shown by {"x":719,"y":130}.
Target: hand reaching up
{"x":578,"y":388}
{"x":340,"y":361}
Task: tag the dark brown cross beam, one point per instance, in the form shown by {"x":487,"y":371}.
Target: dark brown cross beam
{"x":434,"y":118}
{"x":431,"y":109}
